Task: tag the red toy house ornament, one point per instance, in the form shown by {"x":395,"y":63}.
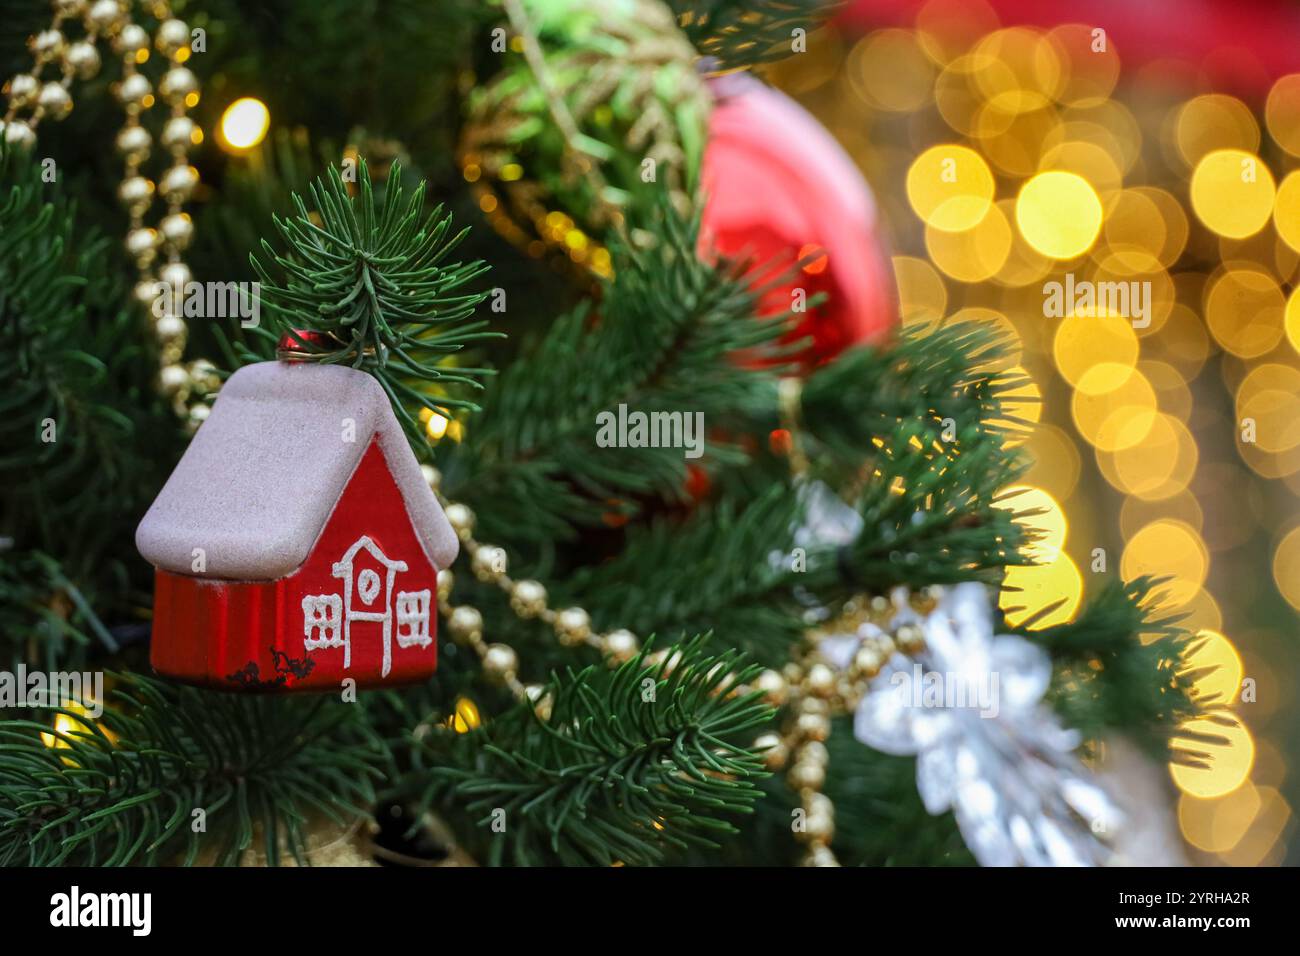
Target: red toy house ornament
{"x":297,"y":543}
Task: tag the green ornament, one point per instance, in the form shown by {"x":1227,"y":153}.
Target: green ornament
{"x":597,"y":113}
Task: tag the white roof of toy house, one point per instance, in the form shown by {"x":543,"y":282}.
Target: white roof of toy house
{"x":261,"y":477}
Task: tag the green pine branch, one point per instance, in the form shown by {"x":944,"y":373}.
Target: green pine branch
{"x":78,"y":409}
{"x":672,"y":334}
{"x":1118,"y":668}
{"x":374,"y":277}
{"x":712,"y":571}
{"x":919,"y":430}
{"x":125,"y":789}
{"x":632,"y":763}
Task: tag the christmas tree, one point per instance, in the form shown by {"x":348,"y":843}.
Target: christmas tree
{"x":723,"y":526}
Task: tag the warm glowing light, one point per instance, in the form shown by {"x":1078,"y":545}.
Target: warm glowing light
{"x":1215,"y":668}
{"x":1156,"y":468}
{"x":1282,"y":113}
{"x":466,"y":716}
{"x":1059,"y":214}
{"x":1169,"y":549}
{"x":922,"y":296}
{"x":1028,"y":589}
{"x":1090,"y":73}
{"x":1218,"y":824}
{"x":975,"y":254}
{"x":950,"y":187}
{"x":1232,"y":192}
{"x":1022,"y":404}
{"x":1040,"y":514}
{"x":1269,"y":400}
{"x":1291,"y":319}
{"x":1286,"y":567}
{"x":244,"y":123}
{"x":891,"y":71}
{"x":816,"y":257}
{"x":1215,"y":121}
{"x":1224,"y":747}
{"x":1286,"y":210}
{"x":1113,"y":406}
{"x":1105,"y":345}
{"x":1244,"y":309}
{"x":1055,"y":461}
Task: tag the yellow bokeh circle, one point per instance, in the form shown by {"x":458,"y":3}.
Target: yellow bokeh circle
{"x":950,"y":187}
{"x":974,"y":254}
{"x":1232,"y":192}
{"x":1225,"y":752}
{"x":1059,"y":214}
{"x":1085,"y":342}
{"x":1286,"y":210}
{"x":1028,"y":589}
{"x":1171,"y":549}
{"x":1286,"y":567}
{"x":1041,"y":516}
{"x":1244,"y":309}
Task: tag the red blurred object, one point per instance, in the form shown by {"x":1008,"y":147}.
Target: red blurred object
{"x":363,"y":600}
{"x":778,"y":188}
{"x":289,"y":348}
{"x":1238,"y":45}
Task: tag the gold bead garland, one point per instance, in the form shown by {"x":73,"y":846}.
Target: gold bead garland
{"x":32,"y":98}
{"x":810,"y":689}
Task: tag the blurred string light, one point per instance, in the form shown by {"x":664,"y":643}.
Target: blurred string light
{"x":1021,"y":166}
{"x":244,"y":123}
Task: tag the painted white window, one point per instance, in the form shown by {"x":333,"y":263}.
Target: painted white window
{"x":413,"y":618}
{"x":322,"y":616}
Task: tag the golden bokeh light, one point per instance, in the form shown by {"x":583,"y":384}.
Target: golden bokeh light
{"x":1282,"y":113}
{"x":1040,"y":514}
{"x":1059,"y":214}
{"x":891,"y":71}
{"x":1214,"y":122}
{"x":1291,"y":319}
{"x":1092,"y":162}
{"x":1028,"y":589}
{"x":1054,"y":461}
{"x":1201,"y":613}
{"x":1022,"y":407}
{"x":1232,"y":192}
{"x":1022,"y":70}
{"x":1136,"y":512}
{"x":1135,"y":233}
{"x":1244,"y":308}
{"x":244,"y":123}
{"x":1172,"y":393}
{"x":946,"y":28}
{"x":1216,"y":825}
{"x":974,"y":254}
{"x":950,"y":187}
{"x":1113,"y":406}
{"x":1168,"y":549}
{"x":1014,"y":142}
{"x":1089,"y":73}
{"x":1262,"y":843}
{"x":1225,"y":747}
{"x":1268,"y":401}
{"x":1286,"y":210}
{"x":922,"y":296}
{"x":1104,"y":345}
{"x":1009,"y":338}
{"x":1215,"y":667}
{"x":1286,"y":567}
{"x":1159,"y":466}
